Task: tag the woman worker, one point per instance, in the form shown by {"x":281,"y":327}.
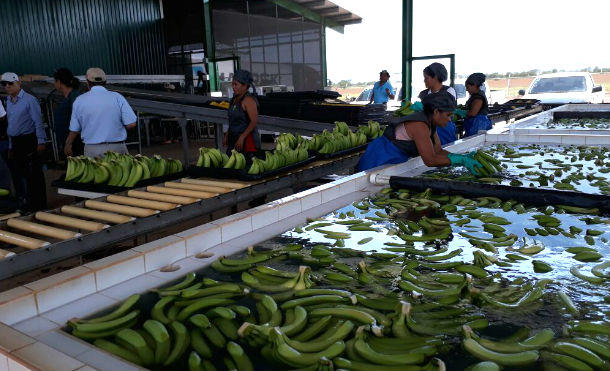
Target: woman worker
{"x":67,"y":85}
{"x":416,"y":135}
{"x":476,"y":106}
{"x":434,"y":76}
{"x":242,"y":135}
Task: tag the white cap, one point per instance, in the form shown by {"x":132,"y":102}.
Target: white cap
{"x":9,"y":77}
{"x":95,"y":74}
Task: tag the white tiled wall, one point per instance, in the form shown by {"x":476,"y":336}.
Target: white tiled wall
{"x":162,"y":252}
{"x":117,"y":268}
{"x":17,"y":304}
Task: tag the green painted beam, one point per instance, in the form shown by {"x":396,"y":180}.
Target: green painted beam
{"x":407,"y":48}
{"x":210,"y":46}
{"x":323,"y":54}
{"x":309,"y":14}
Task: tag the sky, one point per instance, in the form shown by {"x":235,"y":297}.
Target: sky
{"x":485,"y":36}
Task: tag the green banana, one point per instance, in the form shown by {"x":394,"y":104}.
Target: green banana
{"x":137,"y":342}
{"x":108,"y":325}
{"x":601,"y":349}
{"x":540,"y":340}
{"x":323,"y":341}
{"x":158,"y":310}
{"x":292,"y":357}
{"x":117,"y":350}
{"x":125,"y":307}
{"x":570,"y":363}
{"x":366,"y":352}
{"x":568,"y":302}
{"x":349,"y":364}
{"x":354,"y":314}
{"x":214,"y":290}
{"x":201,"y":304}
{"x":199,"y":344}
{"x":578,"y":352}
{"x":161,"y":337}
{"x":312,"y":300}
{"x":504,"y":359}
{"x":297,"y":324}
{"x":314,"y":329}
{"x":181,"y":342}
{"x":241,"y":360}
{"x":194,"y":362}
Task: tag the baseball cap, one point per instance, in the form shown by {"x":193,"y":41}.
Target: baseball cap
{"x":95,"y":74}
{"x":9,"y":77}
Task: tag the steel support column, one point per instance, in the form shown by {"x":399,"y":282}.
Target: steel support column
{"x":407,"y":48}
{"x":210,"y":46}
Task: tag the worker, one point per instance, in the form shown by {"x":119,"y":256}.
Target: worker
{"x":68,"y":86}
{"x":476,"y":106}
{"x":434,"y":76}
{"x":27,"y":139}
{"x":242,"y":135}
{"x":415,"y":135}
{"x":101,"y":117}
{"x":3,"y":135}
{"x":382,"y":89}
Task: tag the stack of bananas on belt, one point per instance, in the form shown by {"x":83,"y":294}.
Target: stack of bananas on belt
{"x":287,"y":141}
{"x":278,"y":159}
{"x":122,"y":170}
{"x":372,"y":130}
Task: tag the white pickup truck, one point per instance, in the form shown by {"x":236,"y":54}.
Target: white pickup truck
{"x":564,"y":87}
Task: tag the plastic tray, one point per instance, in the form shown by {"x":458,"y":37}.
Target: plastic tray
{"x":324,"y":156}
{"x":221,"y":173}
{"x":103,"y":188}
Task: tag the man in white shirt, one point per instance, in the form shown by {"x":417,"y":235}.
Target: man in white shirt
{"x":101,"y":117}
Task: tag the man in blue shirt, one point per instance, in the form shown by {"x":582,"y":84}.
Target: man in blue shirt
{"x":26,"y":143}
{"x":101,"y":117}
{"x":382,"y":90}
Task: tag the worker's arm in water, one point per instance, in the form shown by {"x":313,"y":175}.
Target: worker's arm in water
{"x":431,"y":155}
{"x":475,"y":108}
{"x":249,"y":105}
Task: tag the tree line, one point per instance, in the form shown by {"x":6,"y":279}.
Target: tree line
{"x":536,"y":72}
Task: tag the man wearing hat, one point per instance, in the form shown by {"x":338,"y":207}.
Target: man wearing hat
{"x":101,"y":117}
{"x":26,"y":143}
{"x":382,"y":90}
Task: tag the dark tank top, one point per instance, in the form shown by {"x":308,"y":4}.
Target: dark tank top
{"x":408,"y":147}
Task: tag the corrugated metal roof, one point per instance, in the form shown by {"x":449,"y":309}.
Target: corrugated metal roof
{"x":331,"y":11}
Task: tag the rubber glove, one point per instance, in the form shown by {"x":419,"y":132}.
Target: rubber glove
{"x":471,"y":154}
{"x":460,"y":112}
{"x":470,"y":163}
{"x":417,"y":106}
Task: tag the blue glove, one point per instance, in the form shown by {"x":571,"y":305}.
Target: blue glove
{"x":471,"y":154}
{"x":417,"y":106}
{"x":470,"y":163}
{"x":460,"y":112}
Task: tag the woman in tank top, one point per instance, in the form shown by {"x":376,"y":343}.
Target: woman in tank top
{"x":476,"y":106}
{"x":434,"y":76}
{"x":416,"y":135}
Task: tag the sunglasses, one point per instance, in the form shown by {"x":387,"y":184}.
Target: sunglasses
{"x":5,"y":83}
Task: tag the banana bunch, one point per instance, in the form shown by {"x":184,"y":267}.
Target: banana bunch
{"x":286,"y":141}
{"x":237,"y":161}
{"x":372,"y":130}
{"x":211,"y":157}
{"x":335,"y":141}
{"x":341,"y":127}
{"x":404,"y":110}
{"x":278,"y":159}
{"x":491,"y":165}
{"x":120,"y":170}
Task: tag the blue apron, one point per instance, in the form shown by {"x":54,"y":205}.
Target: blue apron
{"x":379,"y":152}
{"x":446,"y":134}
{"x":472,"y":125}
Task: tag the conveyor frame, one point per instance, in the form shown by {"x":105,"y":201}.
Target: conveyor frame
{"x":30,"y":260}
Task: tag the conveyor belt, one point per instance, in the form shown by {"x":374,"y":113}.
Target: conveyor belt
{"x":109,"y":220}
{"x":532,"y":196}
